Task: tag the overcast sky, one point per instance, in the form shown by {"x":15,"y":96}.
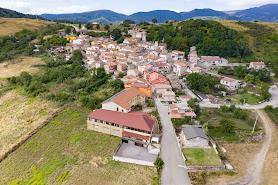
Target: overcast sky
{"x":125,"y":6}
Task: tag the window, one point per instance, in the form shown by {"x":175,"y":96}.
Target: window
{"x":95,"y":126}
{"x":100,"y":121}
{"x":116,"y":132}
{"x":105,"y":129}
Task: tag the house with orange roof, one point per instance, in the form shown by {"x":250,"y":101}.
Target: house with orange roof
{"x":125,"y":100}
{"x":110,"y":67}
{"x":162,"y":46}
{"x":180,"y":68}
{"x":257,"y":65}
{"x":194,"y":70}
{"x":177,"y":55}
{"x":230,"y":83}
{"x":133,"y":72}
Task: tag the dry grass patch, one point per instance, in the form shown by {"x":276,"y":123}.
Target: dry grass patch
{"x":271,"y":162}
{"x":9,"y":26}
{"x":19,"y":115}
{"x":270,"y":24}
{"x":239,"y":155}
{"x":234,"y":25}
{"x":15,"y":66}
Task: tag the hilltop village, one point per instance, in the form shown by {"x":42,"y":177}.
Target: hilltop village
{"x":153,"y":77}
{"x":123,"y":105}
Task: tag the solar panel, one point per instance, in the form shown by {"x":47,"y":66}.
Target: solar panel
{"x":109,"y":99}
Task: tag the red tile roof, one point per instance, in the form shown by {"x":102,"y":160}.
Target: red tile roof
{"x":185,"y":96}
{"x":211,"y":58}
{"x":122,"y":98}
{"x":136,"y":135}
{"x":134,"y":119}
{"x":258,"y":63}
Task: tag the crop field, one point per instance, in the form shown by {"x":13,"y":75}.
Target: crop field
{"x":20,"y":114}
{"x":9,"y":26}
{"x":64,"y":151}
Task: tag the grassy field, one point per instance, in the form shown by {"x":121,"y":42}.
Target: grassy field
{"x":64,"y":151}
{"x":249,"y":98}
{"x":9,"y":26}
{"x":15,"y":66}
{"x":201,"y":157}
{"x":20,"y":114}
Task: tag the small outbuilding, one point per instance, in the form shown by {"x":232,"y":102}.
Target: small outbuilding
{"x":194,"y":137}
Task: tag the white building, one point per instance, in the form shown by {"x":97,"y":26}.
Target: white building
{"x":230,"y":83}
{"x":257,"y":65}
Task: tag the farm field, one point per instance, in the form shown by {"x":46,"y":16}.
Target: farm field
{"x":9,"y":26}
{"x":15,"y":66}
{"x":64,"y":151}
{"x":21,"y":114}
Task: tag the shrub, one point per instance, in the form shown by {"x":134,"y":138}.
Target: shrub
{"x":151,"y":103}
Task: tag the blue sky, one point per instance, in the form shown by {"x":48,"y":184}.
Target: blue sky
{"x":125,"y":6}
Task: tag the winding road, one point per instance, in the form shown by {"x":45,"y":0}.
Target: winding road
{"x":253,"y":175}
{"x":273,"y":102}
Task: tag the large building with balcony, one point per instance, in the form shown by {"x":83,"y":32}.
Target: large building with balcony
{"x":134,"y":127}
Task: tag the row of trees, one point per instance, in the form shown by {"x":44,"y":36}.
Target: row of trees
{"x":249,"y":75}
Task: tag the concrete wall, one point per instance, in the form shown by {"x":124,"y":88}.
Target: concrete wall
{"x":134,"y":161}
{"x":113,"y":107}
{"x":197,"y":143}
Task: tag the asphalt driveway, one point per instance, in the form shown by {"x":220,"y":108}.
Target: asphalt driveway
{"x":173,"y":172}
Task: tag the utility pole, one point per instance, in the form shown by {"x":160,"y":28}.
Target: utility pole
{"x":257,"y":116}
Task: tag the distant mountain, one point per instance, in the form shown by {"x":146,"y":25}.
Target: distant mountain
{"x":207,"y":14}
{"x":14,"y":14}
{"x":102,"y":16}
{"x":160,"y":15}
{"x":265,"y":13}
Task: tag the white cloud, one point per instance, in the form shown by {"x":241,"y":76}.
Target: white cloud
{"x":65,"y":9}
{"x":20,"y":6}
{"x":242,"y":4}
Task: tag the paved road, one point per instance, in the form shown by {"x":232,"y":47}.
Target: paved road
{"x":253,"y":175}
{"x":75,"y":27}
{"x":173,"y":172}
{"x":273,"y":102}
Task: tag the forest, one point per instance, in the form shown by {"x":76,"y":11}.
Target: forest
{"x":210,"y":38}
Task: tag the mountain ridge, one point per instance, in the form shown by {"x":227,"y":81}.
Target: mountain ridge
{"x":264,"y":13}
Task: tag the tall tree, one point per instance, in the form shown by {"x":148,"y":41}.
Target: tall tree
{"x":154,"y":20}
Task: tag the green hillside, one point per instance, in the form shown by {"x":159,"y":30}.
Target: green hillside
{"x":14,"y":14}
{"x":262,"y":38}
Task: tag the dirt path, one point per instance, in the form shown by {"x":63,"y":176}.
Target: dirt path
{"x":253,"y":176}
